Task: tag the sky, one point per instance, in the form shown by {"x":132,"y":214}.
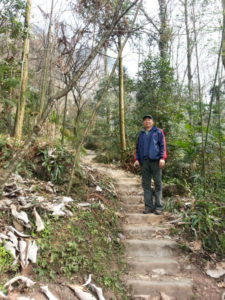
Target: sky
{"x":209,"y":37}
{"x":130,"y":56}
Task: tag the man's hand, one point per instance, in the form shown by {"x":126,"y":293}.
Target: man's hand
{"x":136,"y":164}
{"x":161,"y":163}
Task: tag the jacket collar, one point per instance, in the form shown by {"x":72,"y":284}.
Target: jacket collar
{"x":153,"y":129}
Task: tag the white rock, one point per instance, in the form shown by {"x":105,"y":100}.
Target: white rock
{"x":68,"y":213}
{"x":46,"y":291}
{"x":3,"y":236}
{"x":20,"y":216}
{"x":88,"y":280}
{"x":22,"y":200}
{"x":216,"y":273}
{"x":58,"y":210}
{"x":23,"y":255}
{"x":38,"y":221}
{"x":66,"y":199}
{"x":10,"y":248}
{"x":83,"y":204}
{"x":80,"y":293}
{"x":20,"y":234}
{"x":5,"y":203}
{"x":24,"y":279}
{"x":13,"y":239}
{"x":98,"y":188}
{"x":32,"y":251}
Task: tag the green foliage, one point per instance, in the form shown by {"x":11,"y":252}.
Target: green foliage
{"x":82,"y":245}
{"x":207,"y":221}
{"x":6,"y":260}
{"x":157,"y":92}
{"x":11,"y":11}
{"x":55,"y":162}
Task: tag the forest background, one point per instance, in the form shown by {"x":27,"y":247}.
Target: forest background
{"x":63,"y":81}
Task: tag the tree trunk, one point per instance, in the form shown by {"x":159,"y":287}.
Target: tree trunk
{"x":218,"y":93}
{"x":223,"y":36}
{"x":24,"y":75}
{"x":107,"y":100}
{"x":200,"y":98}
{"x":45,"y":64}
{"x":189,"y":72}
{"x":213,"y":92}
{"x":163,"y":31}
{"x":121,"y":103}
{"x":64,"y":119}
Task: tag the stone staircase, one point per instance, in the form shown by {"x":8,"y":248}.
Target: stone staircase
{"x":156,"y":265}
{"x":151,"y":254}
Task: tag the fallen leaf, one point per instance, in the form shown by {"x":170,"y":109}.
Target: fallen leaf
{"x":196,"y":245}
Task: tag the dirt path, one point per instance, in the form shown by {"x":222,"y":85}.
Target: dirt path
{"x":158,"y":269}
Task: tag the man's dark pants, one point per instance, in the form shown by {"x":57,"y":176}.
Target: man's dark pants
{"x":150,"y":169}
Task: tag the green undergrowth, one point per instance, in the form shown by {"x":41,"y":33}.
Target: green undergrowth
{"x":70,"y":248}
{"x":203,"y":220}
{"x":6,"y":260}
{"x":86,"y":243}
{"x":45,"y":160}
{"x":7,"y":267}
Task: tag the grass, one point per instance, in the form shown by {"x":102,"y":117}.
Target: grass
{"x":86,"y":243}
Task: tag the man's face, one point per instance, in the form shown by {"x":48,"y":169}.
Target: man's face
{"x":148,"y":123}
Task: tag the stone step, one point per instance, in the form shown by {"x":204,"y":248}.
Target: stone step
{"x":142,"y":219}
{"x":128,"y":181}
{"x":133,"y":208}
{"x":142,"y":232}
{"x":179,"y":289}
{"x":131,"y":199}
{"x":151,"y":248}
{"x":154,"y":265}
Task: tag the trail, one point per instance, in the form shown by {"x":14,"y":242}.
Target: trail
{"x":158,"y":269}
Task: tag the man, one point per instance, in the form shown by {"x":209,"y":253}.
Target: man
{"x":150,"y":153}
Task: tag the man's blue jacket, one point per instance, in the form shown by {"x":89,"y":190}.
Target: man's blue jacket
{"x":156,"y":147}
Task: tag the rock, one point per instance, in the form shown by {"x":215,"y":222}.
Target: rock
{"x":24,"y":279}
{"x":98,"y":188}
{"x":38,"y":221}
{"x":48,"y":294}
{"x":218,"y":271}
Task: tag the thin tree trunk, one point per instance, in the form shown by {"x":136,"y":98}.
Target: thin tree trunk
{"x":64,"y":119}
{"x":189,"y":72}
{"x":213,"y":91}
{"x":98,"y":104}
{"x":163,"y":31}
{"x":200,"y":98}
{"x":45,"y":64}
{"x":223,"y":37}
{"x":24,"y":75}
{"x":218,"y":93}
{"x":121,"y":104}
{"x":107,"y":100}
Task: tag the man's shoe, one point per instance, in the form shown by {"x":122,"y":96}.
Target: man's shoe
{"x":148,"y":211}
{"x":158,"y":212}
